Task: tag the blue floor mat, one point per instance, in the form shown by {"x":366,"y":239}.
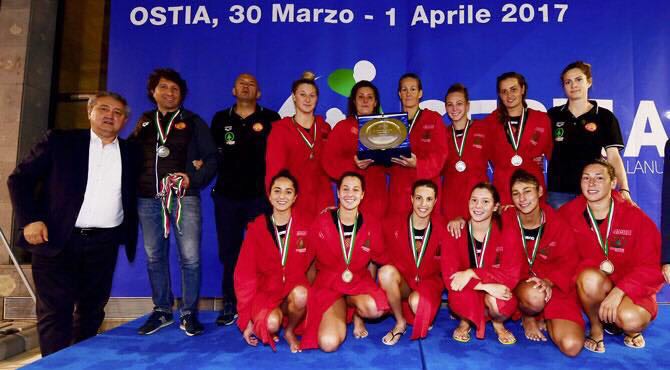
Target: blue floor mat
{"x":224,"y":348}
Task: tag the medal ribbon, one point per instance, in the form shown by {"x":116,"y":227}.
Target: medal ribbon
{"x":424,"y":245}
{"x":516,"y":141}
{"x":283,"y":247}
{"x":347,"y":255}
{"x":459,"y":148}
{"x":170,"y":193}
{"x":163,"y":134}
{"x":411,"y":125}
{"x":304,"y":138}
{"x":603,"y":243}
{"x":531,"y":259}
{"x":479,"y":263}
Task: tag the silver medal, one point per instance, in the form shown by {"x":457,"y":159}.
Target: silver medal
{"x":517,"y":160}
{"x":460,"y":166}
{"x":163,"y":151}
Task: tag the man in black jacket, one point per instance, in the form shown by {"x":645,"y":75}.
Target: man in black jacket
{"x":74,"y":197}
{"x":240,"y":133}
{"x":171,"y":139}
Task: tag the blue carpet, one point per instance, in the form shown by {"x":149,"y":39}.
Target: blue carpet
{"x":224,"y":348}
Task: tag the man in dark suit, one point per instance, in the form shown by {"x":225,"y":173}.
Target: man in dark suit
{"x":74,"y":198}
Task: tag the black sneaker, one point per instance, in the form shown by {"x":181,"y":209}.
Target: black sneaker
{"x":190,"y":324}
{"x":228,"y":315}
{"x":155,"y":322}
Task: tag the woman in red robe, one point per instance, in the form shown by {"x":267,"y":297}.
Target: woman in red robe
{"x":620,"y":253}
{"x":270,"y":281}
{"x":411,"y":279}
{"x":343,"y":242}
{"x":296,"y":143}
{"x":340,"y":152}
{"x":522,"y":135}
{"x":428,"y":142}
{"x":480,"y":271}
{"x":546,"y":293}
{"x":469,"y":149}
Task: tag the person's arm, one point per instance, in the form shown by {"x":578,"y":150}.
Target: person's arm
{"x":338,"y":156}
{"x":24,"y":182}
{"x":206,"y":151}
{"x":665,"y":214}
{"x":245,"y":279}
{"x":614,"y":158}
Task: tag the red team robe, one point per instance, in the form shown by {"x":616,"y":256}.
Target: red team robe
{"x":634,"y":249}
{"x":535,"y":141}
{"x":458,"y":185}
{"x":502,"y":265}
{"x":258,"y":274}
{"x":324,"y":243}
{"x":557,"y":259}
{"x":338,"y":158}
{"x":287,"y":150}
{"x":429,"y":287}
{"x":428,"y":142}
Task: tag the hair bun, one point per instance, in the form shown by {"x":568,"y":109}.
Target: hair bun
{"x":309,"y":75}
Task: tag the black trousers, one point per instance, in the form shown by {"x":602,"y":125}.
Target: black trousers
{"x":232,"y":217}
{"x":73,"y":288}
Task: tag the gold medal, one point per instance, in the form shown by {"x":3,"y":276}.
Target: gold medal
{"x":607,"y":267}
{"x":347,"y":276}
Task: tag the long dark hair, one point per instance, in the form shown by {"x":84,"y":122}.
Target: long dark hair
{"x":502,"y":109}
{"x":496,"y":217}
{"x":351,"y":101}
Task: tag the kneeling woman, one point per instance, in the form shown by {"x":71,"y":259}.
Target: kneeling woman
{"x":620,"y":250}
{"x":412,"y":280}
{"x":344,"y":243}
{"x":479,"y":271}
{"x":270,"y":276}
{"x":546,"y":293}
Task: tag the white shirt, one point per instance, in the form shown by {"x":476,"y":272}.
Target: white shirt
{"x":102,"y":205}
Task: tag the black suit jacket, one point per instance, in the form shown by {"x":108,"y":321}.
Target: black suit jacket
{"x":49,"y":186}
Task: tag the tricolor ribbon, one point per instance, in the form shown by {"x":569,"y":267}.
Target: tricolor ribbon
{"x":171,"y":190}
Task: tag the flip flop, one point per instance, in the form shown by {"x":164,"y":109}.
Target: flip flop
{"x":597,"y":345}
{"x":629,"y":341}
{"x":363,"y":335}
{"x":510,"y":341}
{"x":466,"y":338}
{"x":393,"y":341}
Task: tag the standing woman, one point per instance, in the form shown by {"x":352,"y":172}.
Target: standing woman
{"x":620,"y":252}
{"x":344,"y":243}
{"x":522,"y":135}
{"x":270,"y":281}
{"x":469,"y":151}
{"x":340,"y":152}
{"x":582,"y":132}
{"x":428,"y":141}
{"x":412,"y":279}
{"x":296,"y":144}
{"x":479,"y":271}
{"x":546,"y":292}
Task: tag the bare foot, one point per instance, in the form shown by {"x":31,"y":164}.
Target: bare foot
{"x":292,"y":341}
{"x":504,"y":336}
{"x":542,"y":325}
{"x":532,"y":330}
{"x":359,"y":328}
{"x":393,"y":337}
{"x":462,"y":332}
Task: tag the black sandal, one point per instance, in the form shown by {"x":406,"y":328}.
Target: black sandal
{"x":393,"y":341}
